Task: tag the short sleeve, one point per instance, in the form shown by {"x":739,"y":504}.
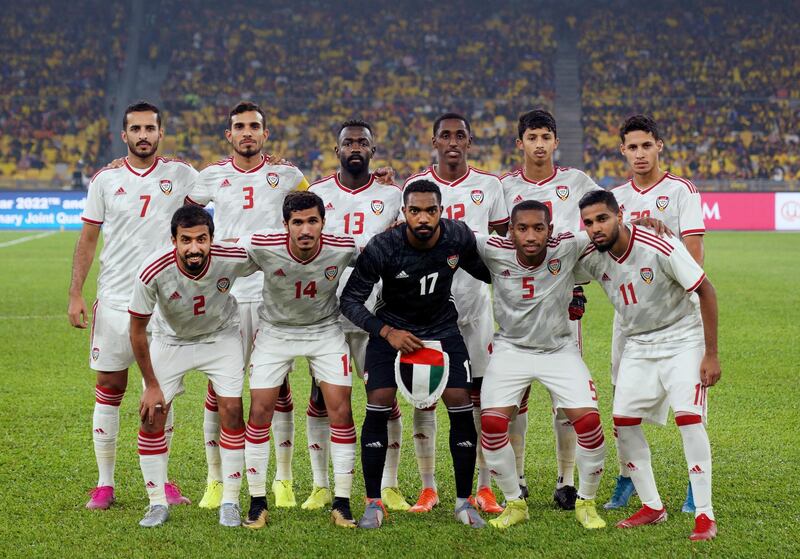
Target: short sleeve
{"x":682,"y":268}
{"x":202,"y":192}
{"x":691,"y":215}
{"x":498,"y":212}
{"x":143,"y":300}
{"x":95,"y":210}
{"x":588,"y":185}
{"x":300,"y":181}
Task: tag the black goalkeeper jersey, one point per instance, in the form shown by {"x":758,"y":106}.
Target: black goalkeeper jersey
{"x":416,"y":283}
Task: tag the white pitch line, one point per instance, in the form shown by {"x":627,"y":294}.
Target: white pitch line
{"x":26,"y":239}
{"x":31,"y":317}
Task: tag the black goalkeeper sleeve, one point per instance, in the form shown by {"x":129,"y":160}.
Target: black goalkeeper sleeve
{"x":358,"y":289}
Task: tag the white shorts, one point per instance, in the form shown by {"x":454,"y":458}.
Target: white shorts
{"x":576,"y":328}
{"x":647,"y":388}
{"x":357,"y":342}
{"x":248,"y":324}
{"x":478,"y":333}
{"x":221,"y":361}
{"x":512,"y":369}
{"x":617,"y":347}
{"x":328,"y":359}
{"x":110,"y":341}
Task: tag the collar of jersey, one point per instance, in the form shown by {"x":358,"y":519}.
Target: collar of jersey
{"x":449,"y":183}
{"x":357,"y":190}
{"x":627,"y":252}
{"x":649,"y":188}
{"x":254,"y":169}
{"x":202,"y":272}
{"x":311,"y":259}
{"x":145,"y":173}
{"x":539,"y":183}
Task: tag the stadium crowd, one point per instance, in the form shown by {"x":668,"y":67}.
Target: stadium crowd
{"x":54,"y":76}
{"x":723,"y":83}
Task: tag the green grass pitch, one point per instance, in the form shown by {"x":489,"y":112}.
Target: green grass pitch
{"x":47,"y":462}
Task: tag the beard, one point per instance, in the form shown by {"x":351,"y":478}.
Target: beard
{"x":354,"y":166}
{"x":423,"y":233}
{"x":194,"y":267}
{"x":606,"y":246}
{"x":143,"y":151}
{"x":248,"y":151}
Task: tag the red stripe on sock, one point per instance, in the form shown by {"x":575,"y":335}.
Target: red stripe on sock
{"x":255,"y":434}
{"x":313,"y":411}
{"x":343,"y":434}
{"x":232,"y":440}
{"x":627,"y":421}
{"x":108,"y":396}
{"x":395,"y":413}
{"x":689,"y":419}
{"x":152,"y":443}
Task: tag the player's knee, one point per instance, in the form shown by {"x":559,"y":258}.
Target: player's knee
{"x":116,"y":381}
{"x":688,"y":419}
{"x":317,"y":399}
{"x":494,"y":422}
{"x":285,"y":390}
{"x":261,"y":412}
{"x":230,"y":412}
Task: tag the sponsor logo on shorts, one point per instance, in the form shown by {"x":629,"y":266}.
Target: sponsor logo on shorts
{"x":477,"y":197}
{"x":165,"y":186}
{"x":647,"y":275}
{"x":377,"y":207}
{"x":331,"y":272}
{"x":562,"y":192}
{"x":554,"y":266}
{"x":95,"y":353}
{"x":223,"y":284}
{"x":273,"y":179}
{"x":452,"y":261}
{"x":662,"y":202}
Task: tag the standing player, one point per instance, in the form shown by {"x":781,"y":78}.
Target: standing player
{"x":197,"y":328}
{"x":559,"y":188}
{"x":670,"y":355}
{"x":673,"y":200}
{"x":532,"y":276}
{"x":302,"y":267}
{"x":133,"y":205}
{"x":359,"y":206}
{"x":476,"y":198}
{"x":416,"y":262}
{"x":248,"y":192}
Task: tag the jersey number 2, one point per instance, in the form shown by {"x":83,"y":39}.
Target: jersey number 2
{"x":199,"y":305}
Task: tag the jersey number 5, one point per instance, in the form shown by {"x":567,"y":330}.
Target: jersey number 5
{"x":527,"y":288}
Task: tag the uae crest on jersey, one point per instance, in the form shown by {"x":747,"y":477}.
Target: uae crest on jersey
{"x":554,"y":266}
{"x":452,"y":261}
{"x":272,"y":179}
{"x":331,"y":272}
{"x":562,"y":192}
{"x":477,"y":197}
{"x":662,"y":202}
{"x":647,"y":275}
{"x":95,"y":353}
{"x":223,"y":284}
{"x":377,"y":207}
{"x":165,"y":186}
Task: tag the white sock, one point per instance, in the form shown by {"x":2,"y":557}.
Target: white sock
{"x":591,"y":454}
{"x":153,"y":458}
{"x":343,"y":456}
{"x":395,"y":429}
{"x":105,"y":430}
{"x":517,"y":430}
{"x":425,"y":445}
{"x":697,"y":450}
{"x":211,"y":436}
{"x":318,"y":433}
{"x":499,"y":455}
{"x":635,"y":451}
{"x":256,"y":458}
{"x":231,"y":451}
{"x":623,"y":470}
{"x":283,"y":437}
{"x":484,"y":477}
{"x":169,"y":430}
{"x":566,"y":442}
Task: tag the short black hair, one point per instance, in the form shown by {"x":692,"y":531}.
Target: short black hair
{"x":141,"y":107}
{"x":448,"y":116}
{"x":191,"y":216}
{"x":537,"y":118}
{"x":527,"y":205}
{"x":354,"y":123}
{"x":243,"y":107}
{"x":599,"y":197}
{"x":298,"y":201}
{"x":422,"y":185}
{"x":639,"y":122}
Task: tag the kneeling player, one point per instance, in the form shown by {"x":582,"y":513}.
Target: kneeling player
{"x":532,"y":275}
{"x":197,"y":328}
{"x":302,"y":267}
{"x":670,"y":356}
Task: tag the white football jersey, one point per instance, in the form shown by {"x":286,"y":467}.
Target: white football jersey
{"x":531,"y":305}
{"x":477,"y":200}
{"x":246,"y":202}
{"x":192,"y":309}
{"x":134,"y":208}
{"x":650,"y":286}
{"x":300,"y":296}
{"x":673,"y":200}
{"x":560,"y":192}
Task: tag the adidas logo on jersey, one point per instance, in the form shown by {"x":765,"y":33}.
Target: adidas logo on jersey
{"x":506,"y":274}
{"x":401,"y":275}
{"x":605,"y":277}
{"x":175,"y":296}
{"x":518,"y":199}
{"x":279,"y":272}
{"x":120,"y":191}
{"x":329,"y":206}
{"x":225,"y":183}
{"x":696,"y":470}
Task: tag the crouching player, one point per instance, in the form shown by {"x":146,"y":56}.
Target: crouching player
{"x":532,"y":275}
{"x":197,"y":327}
{"x":670,"y":356}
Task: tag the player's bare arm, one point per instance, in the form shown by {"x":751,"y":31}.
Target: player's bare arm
{"x":152,"y":401}
{"x":710,"y":370}
{"x":694,"y":244}
{"x":81,"y":264}
{"x":402,"y":340}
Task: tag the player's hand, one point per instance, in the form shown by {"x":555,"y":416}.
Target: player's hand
{"x":116,"y":164}
{"x":578,"y":305}
{"x":656,"y":225}
{"x":710,"y":370}
{"x":76,"y":311}
{"x":152,"y":402}
{"x":384,"y":175}
{"x":404,"y":341}
{"x":274,"y":159}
